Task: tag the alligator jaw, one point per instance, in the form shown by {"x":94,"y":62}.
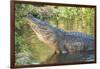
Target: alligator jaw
{"x":35,"y":20}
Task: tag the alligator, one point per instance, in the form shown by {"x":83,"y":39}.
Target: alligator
{"x":59,"y":40}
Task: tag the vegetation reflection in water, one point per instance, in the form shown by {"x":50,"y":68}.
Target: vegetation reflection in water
{"x":63,"y":58}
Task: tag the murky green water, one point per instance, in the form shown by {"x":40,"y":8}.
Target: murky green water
{"x":73,"y":58}
{"x":66,"y":58}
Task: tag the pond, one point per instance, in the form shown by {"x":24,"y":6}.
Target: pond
{"x":66,"y":58}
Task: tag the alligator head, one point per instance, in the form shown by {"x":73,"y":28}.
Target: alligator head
{"x":43,"y":31}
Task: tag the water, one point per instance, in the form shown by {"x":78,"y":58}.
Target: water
{"x":66,"y":58}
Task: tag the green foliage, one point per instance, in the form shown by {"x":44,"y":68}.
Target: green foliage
{"x":28,"y":48}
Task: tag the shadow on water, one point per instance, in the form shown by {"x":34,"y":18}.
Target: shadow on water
{"x":66,"y":58}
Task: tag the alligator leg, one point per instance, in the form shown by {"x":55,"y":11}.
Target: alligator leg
{"x":62,"y":48}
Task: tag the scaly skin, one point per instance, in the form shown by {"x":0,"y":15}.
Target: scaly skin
{"x":58,"y":40}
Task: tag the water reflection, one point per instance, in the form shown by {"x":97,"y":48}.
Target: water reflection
{"x":66,"y":58}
